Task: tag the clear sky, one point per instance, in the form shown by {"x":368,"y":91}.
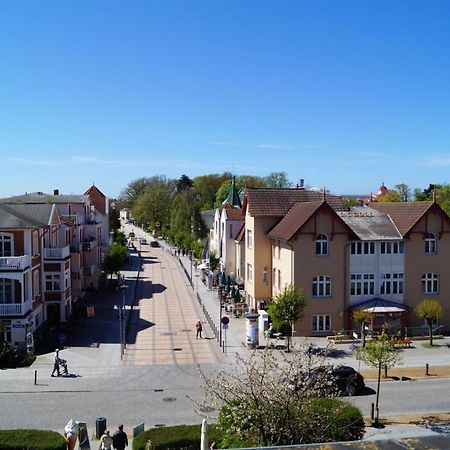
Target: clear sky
{"x":344,"y":94}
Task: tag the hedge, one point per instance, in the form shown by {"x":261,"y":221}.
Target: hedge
{"x":31,"y":440}
{"x":186,"y":437}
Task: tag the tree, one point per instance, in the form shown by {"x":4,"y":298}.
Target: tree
{"x":114,"y":219}
{"x":115,"y":258}
{"x":205,"y":188}
{"x":404,"y":191}
{"x":286,"y":308}
{"x":277,"y":180}
{"x":430,"y":310}
{"x":183,"y":183}
{"x":363,"y":317}
{"x":390,"y":196}
{"x":379,"y":353}
{"x":134,"y":189}
{"x":267,"y":399}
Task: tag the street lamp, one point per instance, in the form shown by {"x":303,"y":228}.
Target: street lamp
{"x":122,"y":309}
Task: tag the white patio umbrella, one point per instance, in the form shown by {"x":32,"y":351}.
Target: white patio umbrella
{"x":204,"y":441}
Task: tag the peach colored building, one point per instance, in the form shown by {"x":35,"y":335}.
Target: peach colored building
{"x":384,"y":258}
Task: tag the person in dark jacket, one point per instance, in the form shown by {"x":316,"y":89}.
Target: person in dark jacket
{"x":120,"y":439}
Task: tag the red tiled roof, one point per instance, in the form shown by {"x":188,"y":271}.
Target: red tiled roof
{"x":241,"y":235}
{"x":277,"y":202}
{"x":234,"y":213}
{"x":404,"y":214}
{"x":295,"y":218}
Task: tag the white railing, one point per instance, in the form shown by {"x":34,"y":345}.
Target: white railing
{"x":14,"y":309}
{"x":14,"y":262}
{"x":57,"y":252}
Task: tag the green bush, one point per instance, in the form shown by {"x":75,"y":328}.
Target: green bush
{"x":31,"y":440}
{"x":344,"y":422}
{"x":10,"y":358}
{"x":186,"y":437}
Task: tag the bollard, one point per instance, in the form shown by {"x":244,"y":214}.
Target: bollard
{"x":427,"y":372}
{"x":35,"y":377}
{"x":372,"y":411}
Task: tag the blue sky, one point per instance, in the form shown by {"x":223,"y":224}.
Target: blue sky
{"x":344,"y":94}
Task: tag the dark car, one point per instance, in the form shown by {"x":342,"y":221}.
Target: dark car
{"x":154,"y":244}
{"x":345,"y":378}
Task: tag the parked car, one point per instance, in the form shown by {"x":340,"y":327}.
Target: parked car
{"x":345,"y":378}
{"x":342,"y":380}
{"x":154,"y":244}
{"x":143,"y":241}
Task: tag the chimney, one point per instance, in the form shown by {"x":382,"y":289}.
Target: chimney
{"x":55,"y":191}
{"x":301,"y":185}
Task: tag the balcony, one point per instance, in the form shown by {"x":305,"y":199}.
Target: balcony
{"x":14,"y":309}
{"x":74,"y":218}
{"x":57,"y":252}
{"x":14,"y":262}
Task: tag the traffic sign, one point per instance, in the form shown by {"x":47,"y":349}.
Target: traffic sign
{"x":225,"y":320}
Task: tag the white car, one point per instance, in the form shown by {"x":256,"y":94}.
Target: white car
{"x":143,"y":241}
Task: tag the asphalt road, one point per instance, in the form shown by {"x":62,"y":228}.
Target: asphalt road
{"x":157,"y":394}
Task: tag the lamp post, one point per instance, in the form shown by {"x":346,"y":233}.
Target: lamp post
{"x":122,"y":327}
{"x":119,"y":308}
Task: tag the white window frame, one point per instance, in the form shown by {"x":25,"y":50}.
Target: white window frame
{"x":249,"y":272}
{"x":249,"y":239}
{"x":362,"y":284}
{"x":321,"y":322}
{"x":230,"y":231}
{"x":430,"y":244}
{"x":430,"y":283}
{"x":322,"y":245}
{"x":392,"y":247}
{"x":53,"y":280}
{"x":7,"y":291}
{"x":392,"y":284}
{"x":321,"y":286}
{"x":6,"y":239}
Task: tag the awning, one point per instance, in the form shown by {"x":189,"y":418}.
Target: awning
{"x":385,"y":309}
{"x":202,"y":266}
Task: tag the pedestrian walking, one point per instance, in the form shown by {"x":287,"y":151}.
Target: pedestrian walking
{"x":71,"y":433}
{"x":120,"y":439}
{"x":56,"y":361}
{"x":106,"y":441}
{"x":199,"y":328}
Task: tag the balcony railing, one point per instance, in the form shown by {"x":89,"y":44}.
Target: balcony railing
{"x":14,"y":262}
{"x":14,"y":309}
{"x":89,"y":245}
{"x":57,"y":252}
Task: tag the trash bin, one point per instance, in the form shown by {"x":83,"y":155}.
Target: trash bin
{"x":100,"y":427}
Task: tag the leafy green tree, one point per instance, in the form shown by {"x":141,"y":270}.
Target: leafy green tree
{"x":277,"y":180}
{"x":390,"y":196}
{"x":134,"y":189}
{"x":403,"y":191}
{"x":205,"y":188}
{"x":430,"y":310}
{"x":183,"y":183}
{"x":114,"y":219}
{"x":424,"y":195}
{"x":379,"y":353}
{"x":364,"y":318}
{"x":115,"y":258}
{"x":286,"y":308}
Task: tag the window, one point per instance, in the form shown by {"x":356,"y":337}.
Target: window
{"x":356,"y":248}
{"x":35,"y":243}
{"x":321,"y":286}
{"x":430,"y":244}
{"x":362,"y":284}
{"x":52,"y":282}
{"x":274,"y":276}
{"x":6,"y":291}
{"x":395,"y":247}
{"x":369,"y":248}
{"x":391,"y":283}
{"x":230,"y":231}
{"x":279,"y":279}
{"x":430,"y":283}
{"x":5,"y":245}
{"x":265,"y":278}
{"x":249,"y":272}
{"x":321,"y":323}
{"x":249,"y":239}
{"x":322,"y":245}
